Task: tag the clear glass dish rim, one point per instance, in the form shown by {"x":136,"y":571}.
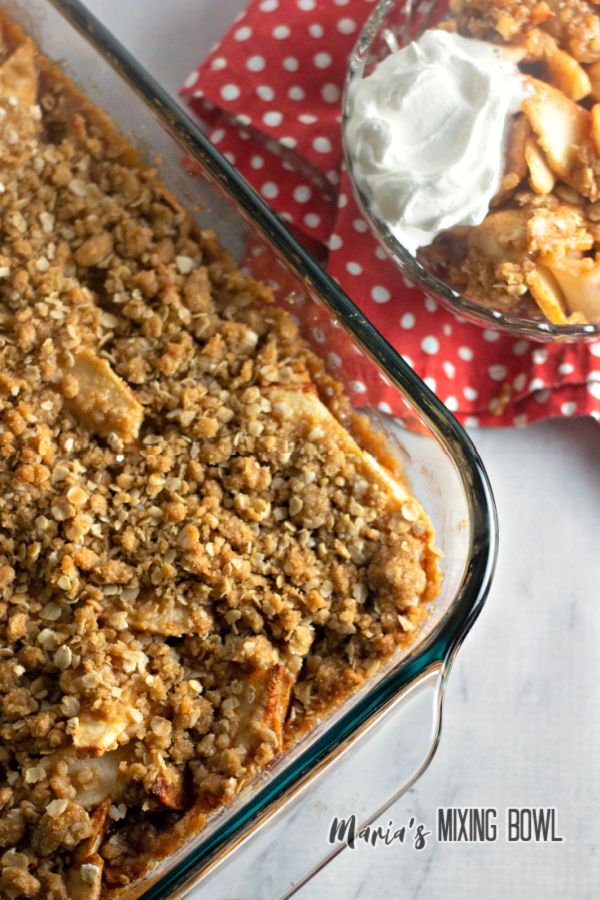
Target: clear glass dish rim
{"x":446,"y":637}
{"x":459,"y":303}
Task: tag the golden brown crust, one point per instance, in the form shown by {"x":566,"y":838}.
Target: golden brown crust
{"x":196,"y":557}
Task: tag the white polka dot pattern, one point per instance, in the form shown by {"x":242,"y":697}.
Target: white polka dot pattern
{"x":272,"y":118}
{"x":243,"y":33}
{"x":230,"y":92}
{"x":380,"y":294}
{"x":322,"y":60}
{"x":330,"y":93}
{"x":280,"y":71}
{"x":256,"y":63}
{"x":265,"y":92}
{"x":269,"y":190}
{"x":346,"y":26}
{"x":302,"y":193}
{"x":430,"y":345}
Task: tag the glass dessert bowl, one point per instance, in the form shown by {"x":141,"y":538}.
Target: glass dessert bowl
{"x":491,"y":269}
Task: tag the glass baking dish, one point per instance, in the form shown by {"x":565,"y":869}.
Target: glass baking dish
{"x":399,"y":709}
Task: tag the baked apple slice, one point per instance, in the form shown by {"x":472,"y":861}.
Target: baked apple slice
{"x":596,"y":127}
{"x":579,"y":281}
{"x":18,"y":77}
{"x":97,"y":777}
{"x":169,"y":616}
{"x":502,"y":235}
{"x":263,"y":709}
{"x":565,"y":72}
{"x":594,"y":76}
{"x":84,"y":881}
{"x":547,"y":294}
{"x":99,"y":820}
{"x":541,"y":176}
{"x":99,"y":730}
{"x":518,"y":136}
{"x":568,"y":76}
{"x":560,"y":125}
{"x":101,"y":400}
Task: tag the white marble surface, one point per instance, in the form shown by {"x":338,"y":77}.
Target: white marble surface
{"x":522,"y":717}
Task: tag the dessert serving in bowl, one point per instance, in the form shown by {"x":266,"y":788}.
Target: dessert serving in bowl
{"x":472,"y":142}
{"x":216,"y":575}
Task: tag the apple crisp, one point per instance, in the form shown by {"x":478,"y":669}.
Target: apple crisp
{"x":537,"y":251}
{"x":202,"y":548}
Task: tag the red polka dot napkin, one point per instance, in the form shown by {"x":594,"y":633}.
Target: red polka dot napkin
{"x":269,"y":95}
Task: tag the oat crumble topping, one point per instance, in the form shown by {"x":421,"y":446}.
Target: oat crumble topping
{"x":197,"y":560}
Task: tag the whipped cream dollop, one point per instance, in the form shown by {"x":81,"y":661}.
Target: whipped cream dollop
{"x":427,"y":133}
